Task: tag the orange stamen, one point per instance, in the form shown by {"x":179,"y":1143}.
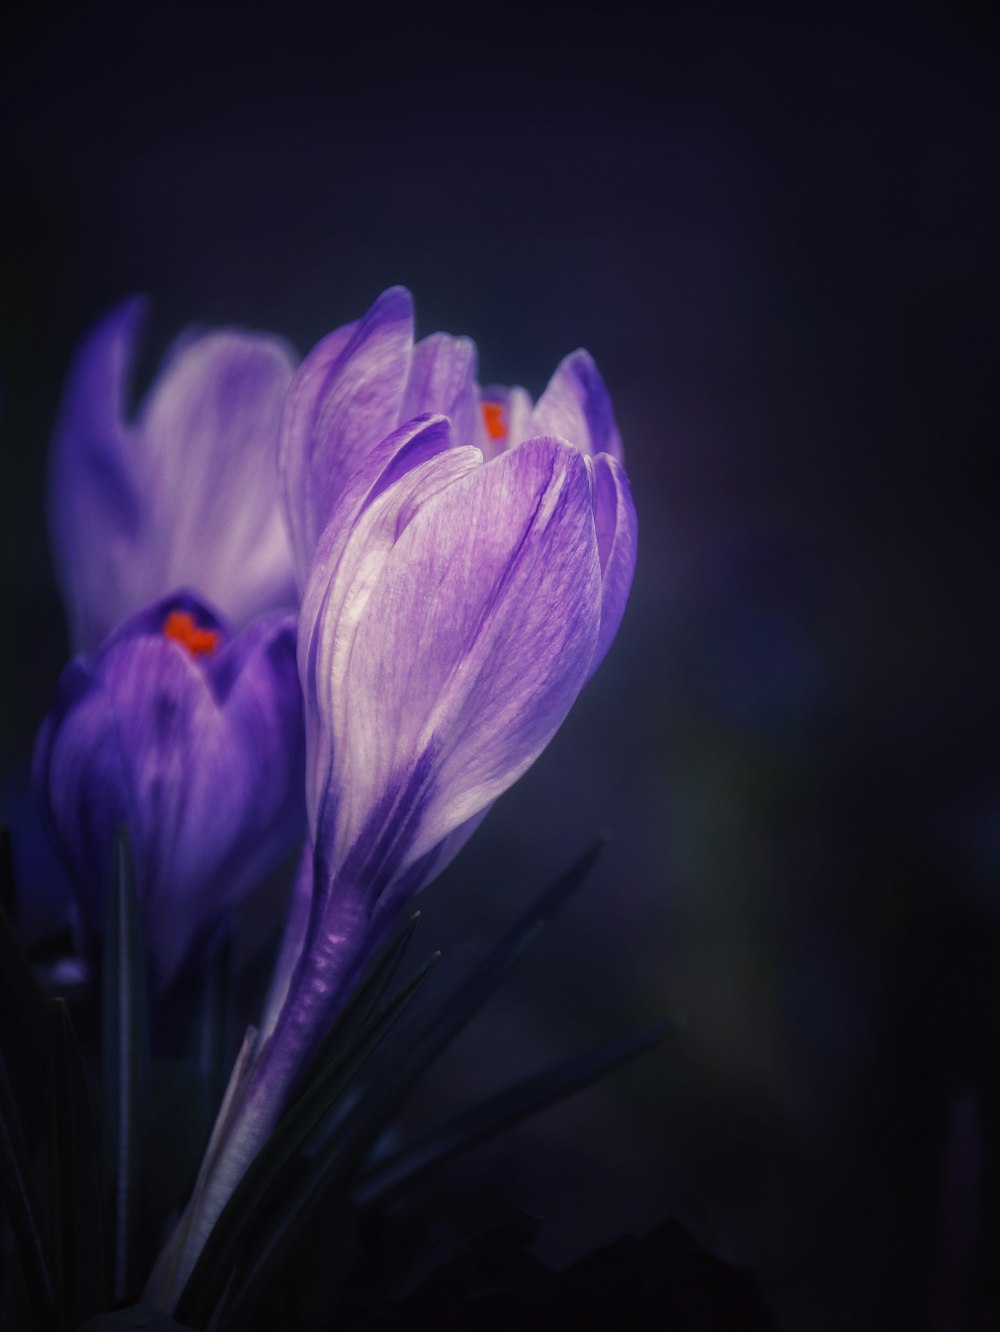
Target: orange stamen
{"x":496,"y":426}
{"x":180,"y":627}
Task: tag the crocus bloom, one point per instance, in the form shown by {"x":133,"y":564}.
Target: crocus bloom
{"x":182,"y":493}
{"x":453,"y":609}
{"x":356,"y":387}
{"x":456,"y":609}
{"x":191,"y":738}
{"x":368,"y":378}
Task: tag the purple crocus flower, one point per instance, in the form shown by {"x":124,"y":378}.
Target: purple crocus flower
{"x":454,"y":605}
{"x":455,"y":610}
{"x":181,"y":493}
{"x":191,"y":737}
{"x":364,"y":380}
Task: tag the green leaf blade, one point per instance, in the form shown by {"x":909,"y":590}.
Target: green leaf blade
{"x":126,"y":1062}
{"x":77,"y":1212}
{"x":214,"y":1267}
{"x":24,"y":1019}
{"x":15,"y":1193}
{"x":345,"y":1151}
{"x":495,"y":1114}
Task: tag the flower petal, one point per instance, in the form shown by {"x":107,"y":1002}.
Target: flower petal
{"x":95,"y":510}
{"x":476,"y":638}
{"x":184,"y":495}
{"x":201,"y":757}
{"x":443,"y":379}
{"x":345,"y":399}
{"x":617,"y":529}
{"x":208,"y":461}
{"x":406,"y":470}
{"x":81,"y":782}
{"x":576,"y":407}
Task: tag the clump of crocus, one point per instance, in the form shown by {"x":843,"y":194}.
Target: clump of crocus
{"x":183,"y":491}
{"x":191,"y":738}
{"x":462,"y":580}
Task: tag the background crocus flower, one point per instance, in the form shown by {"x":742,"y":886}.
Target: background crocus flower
{"x":180,"y":493}
{"x":454,"y":609}
{"x":191,"y":738}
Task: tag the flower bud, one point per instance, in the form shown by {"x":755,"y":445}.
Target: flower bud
{"x":191,"y":738}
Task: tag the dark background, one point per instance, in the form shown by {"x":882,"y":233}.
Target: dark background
{"x":776,"y":232}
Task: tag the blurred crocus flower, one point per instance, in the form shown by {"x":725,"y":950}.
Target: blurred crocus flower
{"x":191,"y":738}
{"x":453,"y":609}
{"x":181,"y":493}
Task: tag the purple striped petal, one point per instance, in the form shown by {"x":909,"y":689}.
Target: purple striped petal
{"x":208,"y":463}
{"x":617,"y":530}
{"x":76,"y":753}
{"x":443,"y":380}
{"x":348,"y":556}
{"x":345,"y":399}
{"x":475,"y":638}
{"x":186,"y":494}
{"x":576,"y":407}
{"x":95,"y":511}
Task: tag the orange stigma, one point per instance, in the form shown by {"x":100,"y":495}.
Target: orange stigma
{"x":180,"y":627}
{"x":496,"y":426}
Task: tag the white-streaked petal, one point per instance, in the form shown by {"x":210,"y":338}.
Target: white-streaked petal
{"x":477,"y":636}
{"x":345,"y":399}
{"x":206,"y":462}
{"x":617,"y":529}
{"x":576,"y":406}
{"x":443,"y":379}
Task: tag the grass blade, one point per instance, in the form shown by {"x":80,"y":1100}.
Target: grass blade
{"x":347,"y":1148}
{"x":214,"y":1267}
{"x":215,"y":1021}
{"x":77,"y":1220}
{"x":7,"y":894}
{"x":16,"y":1196}
{"x":125,"y":1059}
{"x":492,"y":1116}
{"x":455,"y":1010}
{"x":24,"y":1020}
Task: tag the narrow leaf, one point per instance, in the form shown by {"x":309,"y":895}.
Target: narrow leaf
{"x":24,"y":1021}
{"x":492,"y":1116}
{"x":125,"y":1057}
{"x":347,"y":1148}
{"x":455,"y":1010}
{"x":251,"y":1198}
{"x":16,"y":1196}
{"x":215,"y":1054}
{"x":77,"y":1220}
{"x":7,"y":895}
